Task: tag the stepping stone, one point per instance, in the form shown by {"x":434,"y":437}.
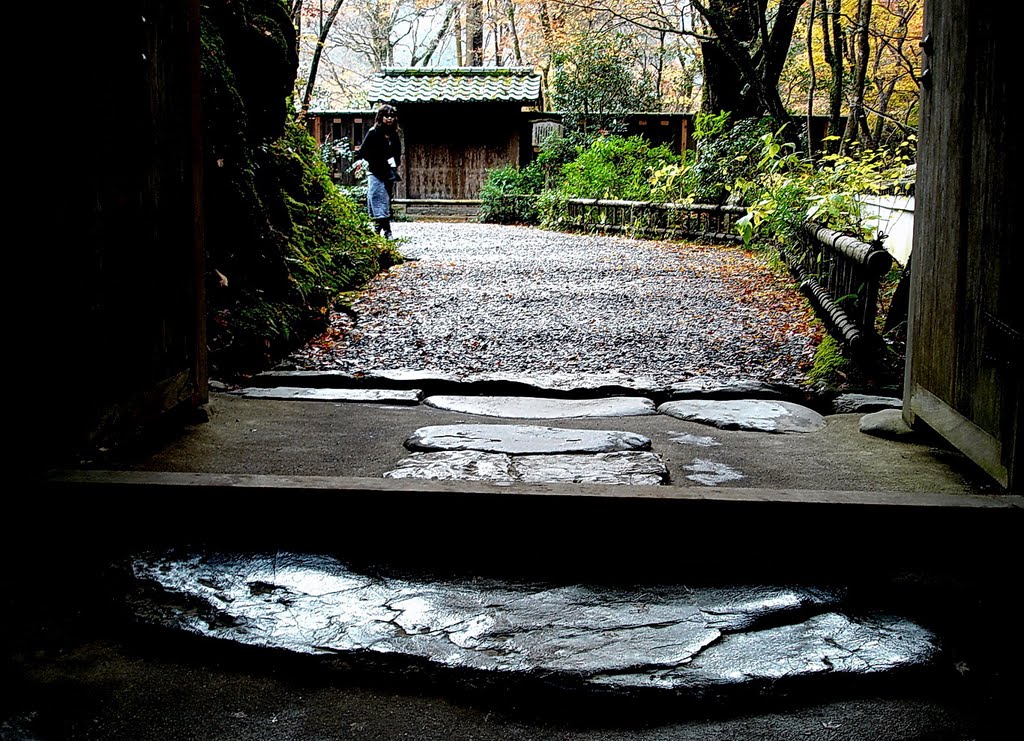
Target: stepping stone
{"x":405,"y":375}
{"x":523,"y":439}
{"x":886,"y":423}
{"x":754,"y":415}
{"x":742,"y":388}
{"x":620,"y":467}
{"x":710,"y":473}
{"x":682,"y":639}
{"x":458,"y":465}
{"x":572,"y":381}
{"x":849,"y":403}
{"x":298,"y":393}
{"x":304,"y":378}
{"x":520,"y":407}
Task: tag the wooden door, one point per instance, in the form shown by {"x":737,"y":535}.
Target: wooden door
{"x":964,"y":334}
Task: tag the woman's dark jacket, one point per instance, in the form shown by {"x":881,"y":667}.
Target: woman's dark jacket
{"x":376,"y":148}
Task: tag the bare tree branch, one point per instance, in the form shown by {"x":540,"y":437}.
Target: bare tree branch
{"x":325,"y":28}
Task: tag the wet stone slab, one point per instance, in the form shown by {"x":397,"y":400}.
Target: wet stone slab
{"x":620,"y":467}
{"x":738,"y":388}
{"x":301,"y":393}
{"x":656,"y":638}
{"x":753,"y":415}
{"x":864,"y":403}
{"x":592,"y":382}
{"x":525,"y":407}
{"x":523,"y":439}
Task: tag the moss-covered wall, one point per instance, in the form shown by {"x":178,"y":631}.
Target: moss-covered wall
{"x":281,"y":241}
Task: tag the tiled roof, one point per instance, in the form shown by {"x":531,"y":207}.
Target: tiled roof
{"x":456,"y":84}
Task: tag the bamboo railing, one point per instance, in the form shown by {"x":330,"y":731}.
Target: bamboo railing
{"x":841,"y":276}
{"x":666,"y":220}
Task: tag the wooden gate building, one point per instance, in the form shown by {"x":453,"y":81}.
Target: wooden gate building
{"x":458,"y":123}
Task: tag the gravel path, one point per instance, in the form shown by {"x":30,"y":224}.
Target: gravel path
{"x":481,"y":298}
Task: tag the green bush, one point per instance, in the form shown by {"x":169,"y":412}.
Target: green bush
{"x":785,"y":190}
{"x":616,"y":167}
{"x":726,"y":153}
{"x":509,"y":195}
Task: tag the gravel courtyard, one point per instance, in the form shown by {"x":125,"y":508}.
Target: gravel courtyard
{"x":482,"y":298}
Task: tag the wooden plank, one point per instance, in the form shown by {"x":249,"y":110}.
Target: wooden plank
{"x":977,"y":444}
{"x":936,"y":276}
{"x":989,"y":241}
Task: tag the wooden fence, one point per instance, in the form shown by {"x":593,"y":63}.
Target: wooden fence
{"x":841,"y":276}
{"x":668,"y":220}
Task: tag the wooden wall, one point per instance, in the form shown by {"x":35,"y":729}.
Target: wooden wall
{"x":449,"y":147}
{"x":964,"y":365}
{"x":122,"y":323}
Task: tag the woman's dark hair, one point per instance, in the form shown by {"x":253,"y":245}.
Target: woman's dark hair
{"x":385,"y":110}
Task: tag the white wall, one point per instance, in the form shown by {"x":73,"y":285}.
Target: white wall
{"x":893,"y":216}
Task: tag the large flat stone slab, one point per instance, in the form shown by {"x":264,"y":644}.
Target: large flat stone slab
{"x":455,"y":465}
{"x":734,"y":388}
{"x":523,"y":439}
{"x":864,"y":403}
{"x":302,"y":393}
{"x":621,"y":467}
{"x":754,"y":415}
{"x":532,"y":407}
{"x":635,"y":467}
{"x":678,"y":638}
{"x":593,"y":382}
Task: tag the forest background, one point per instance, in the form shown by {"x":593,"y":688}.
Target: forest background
{"x":856,"y":58}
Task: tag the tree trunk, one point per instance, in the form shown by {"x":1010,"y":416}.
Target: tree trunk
{"x":516,"y":49}
{"x":813,"y":82}
{"x":475,"y":32}
{"x":857,"y":125}
{"x":832,"y":43}
{"x":723,"y":76}
{"x":325,"y":28}
{"x":743,"y":63}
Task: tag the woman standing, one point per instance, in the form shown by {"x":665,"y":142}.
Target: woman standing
{"x":382,"y":151}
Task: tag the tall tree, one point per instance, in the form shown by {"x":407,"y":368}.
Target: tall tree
{"x":595,"y":87}
{"x":832,"y":48}
{"x":326,"y":22}
{"x":475,"y":32}
{"x":743,"y":61}
{"x":857,"y":123}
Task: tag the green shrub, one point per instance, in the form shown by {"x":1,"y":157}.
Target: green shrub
{"x":785,"y":190}
{"x":725,"y":154}
{"x":616,"y":167}
{"x":509,"y":195}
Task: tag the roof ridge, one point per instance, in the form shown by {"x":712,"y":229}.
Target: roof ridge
{"x":458,"y":71}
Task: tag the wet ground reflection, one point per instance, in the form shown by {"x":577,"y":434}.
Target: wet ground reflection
{"x":666,"y":637}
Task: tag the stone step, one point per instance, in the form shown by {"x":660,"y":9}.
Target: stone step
{"x":675,"y":640}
